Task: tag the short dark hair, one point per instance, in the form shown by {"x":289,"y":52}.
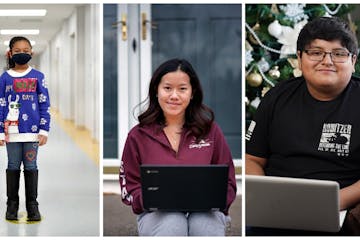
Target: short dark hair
{"x":328,"y":29}
{"x":198,"y":117}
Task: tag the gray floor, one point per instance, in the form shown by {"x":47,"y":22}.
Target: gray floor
{"x":68,"y":191}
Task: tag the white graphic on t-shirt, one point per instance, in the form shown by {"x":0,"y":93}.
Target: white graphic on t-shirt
{"x":250,"y":130}
{"x":335,"y":138}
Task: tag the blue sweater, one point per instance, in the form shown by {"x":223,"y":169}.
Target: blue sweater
{"x":24,"y":106}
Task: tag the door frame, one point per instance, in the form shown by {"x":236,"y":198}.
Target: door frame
{"x":134,"y":70}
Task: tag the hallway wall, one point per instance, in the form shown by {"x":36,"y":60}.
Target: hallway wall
{"x":71,"y":64}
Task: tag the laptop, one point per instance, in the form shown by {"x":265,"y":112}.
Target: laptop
{"x":184,"y":188}
{"x":293,"y":203}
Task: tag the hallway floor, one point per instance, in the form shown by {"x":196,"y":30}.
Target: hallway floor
{"x":68,"y":191}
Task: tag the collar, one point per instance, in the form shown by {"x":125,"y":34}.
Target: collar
{"x":13,"y":73}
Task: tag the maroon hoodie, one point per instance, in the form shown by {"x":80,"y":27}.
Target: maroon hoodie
{"x":149,"y":145}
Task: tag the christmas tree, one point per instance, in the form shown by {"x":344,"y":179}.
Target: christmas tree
{"x":270,"y":47}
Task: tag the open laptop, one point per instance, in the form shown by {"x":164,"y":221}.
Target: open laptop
{"x":184,"y":188}
{"x":293,"y":203}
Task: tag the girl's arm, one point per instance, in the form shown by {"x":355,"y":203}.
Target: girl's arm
{"x":2,"y":110}
{"x":222,"y":155}
{"x":129,"y":176}
{"x":44,"y":108}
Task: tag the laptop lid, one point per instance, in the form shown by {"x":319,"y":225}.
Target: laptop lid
{"x":292,"y":203}
{"x":184,"y":188}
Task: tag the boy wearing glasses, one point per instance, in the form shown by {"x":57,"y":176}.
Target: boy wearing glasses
{"x":308,"y":127}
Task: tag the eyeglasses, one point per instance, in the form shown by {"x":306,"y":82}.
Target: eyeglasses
{"x":338,"y":56}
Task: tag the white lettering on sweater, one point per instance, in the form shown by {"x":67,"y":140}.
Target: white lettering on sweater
{"x":201,"y":144}
{"x":124,"y":193}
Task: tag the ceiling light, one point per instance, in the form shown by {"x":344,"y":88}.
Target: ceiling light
{"x":6,"y":43}
{"x":22,"y":12}
{"x":19,"y":31}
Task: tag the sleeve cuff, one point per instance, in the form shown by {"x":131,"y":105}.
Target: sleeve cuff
{"x":41,"y":132}
{"x":2,"y":136}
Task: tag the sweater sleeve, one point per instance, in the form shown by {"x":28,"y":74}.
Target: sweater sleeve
{"x":222,"y":155}
{"x":44,"y":105}
{"x":129,"y":176}
{"x":2,"y":107}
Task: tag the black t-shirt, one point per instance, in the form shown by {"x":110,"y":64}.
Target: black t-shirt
{"x":306,"y":138}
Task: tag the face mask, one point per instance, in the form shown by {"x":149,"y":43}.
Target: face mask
{"x":21,"y":58}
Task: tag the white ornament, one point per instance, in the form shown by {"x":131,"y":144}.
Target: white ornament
{"x":274,"y":72}
{"x":263,"y":65}
{"x":255,"y":103}
{"x":294,"y":12}
{"x":275,"y":29}
{"x":248,"y":58}
{"x":289,"y":38}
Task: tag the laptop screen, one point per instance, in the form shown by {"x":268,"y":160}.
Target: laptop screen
{"x":184,"y":188}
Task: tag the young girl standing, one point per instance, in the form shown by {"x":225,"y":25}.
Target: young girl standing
{"x":24,"y":125}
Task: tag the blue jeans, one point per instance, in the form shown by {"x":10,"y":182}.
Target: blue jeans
{"x":25,"y":152}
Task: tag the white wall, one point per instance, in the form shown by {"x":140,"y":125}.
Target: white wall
{"x":93,"y":95}
{"x":3,"y":63}
{"x":71,"y":63}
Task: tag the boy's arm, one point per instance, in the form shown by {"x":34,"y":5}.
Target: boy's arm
{"x":350,"y":196}
{"x":254,"y":165}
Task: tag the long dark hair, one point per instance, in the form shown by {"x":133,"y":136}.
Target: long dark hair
{"x":11,"y":63}
{"x":198,"y":117}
